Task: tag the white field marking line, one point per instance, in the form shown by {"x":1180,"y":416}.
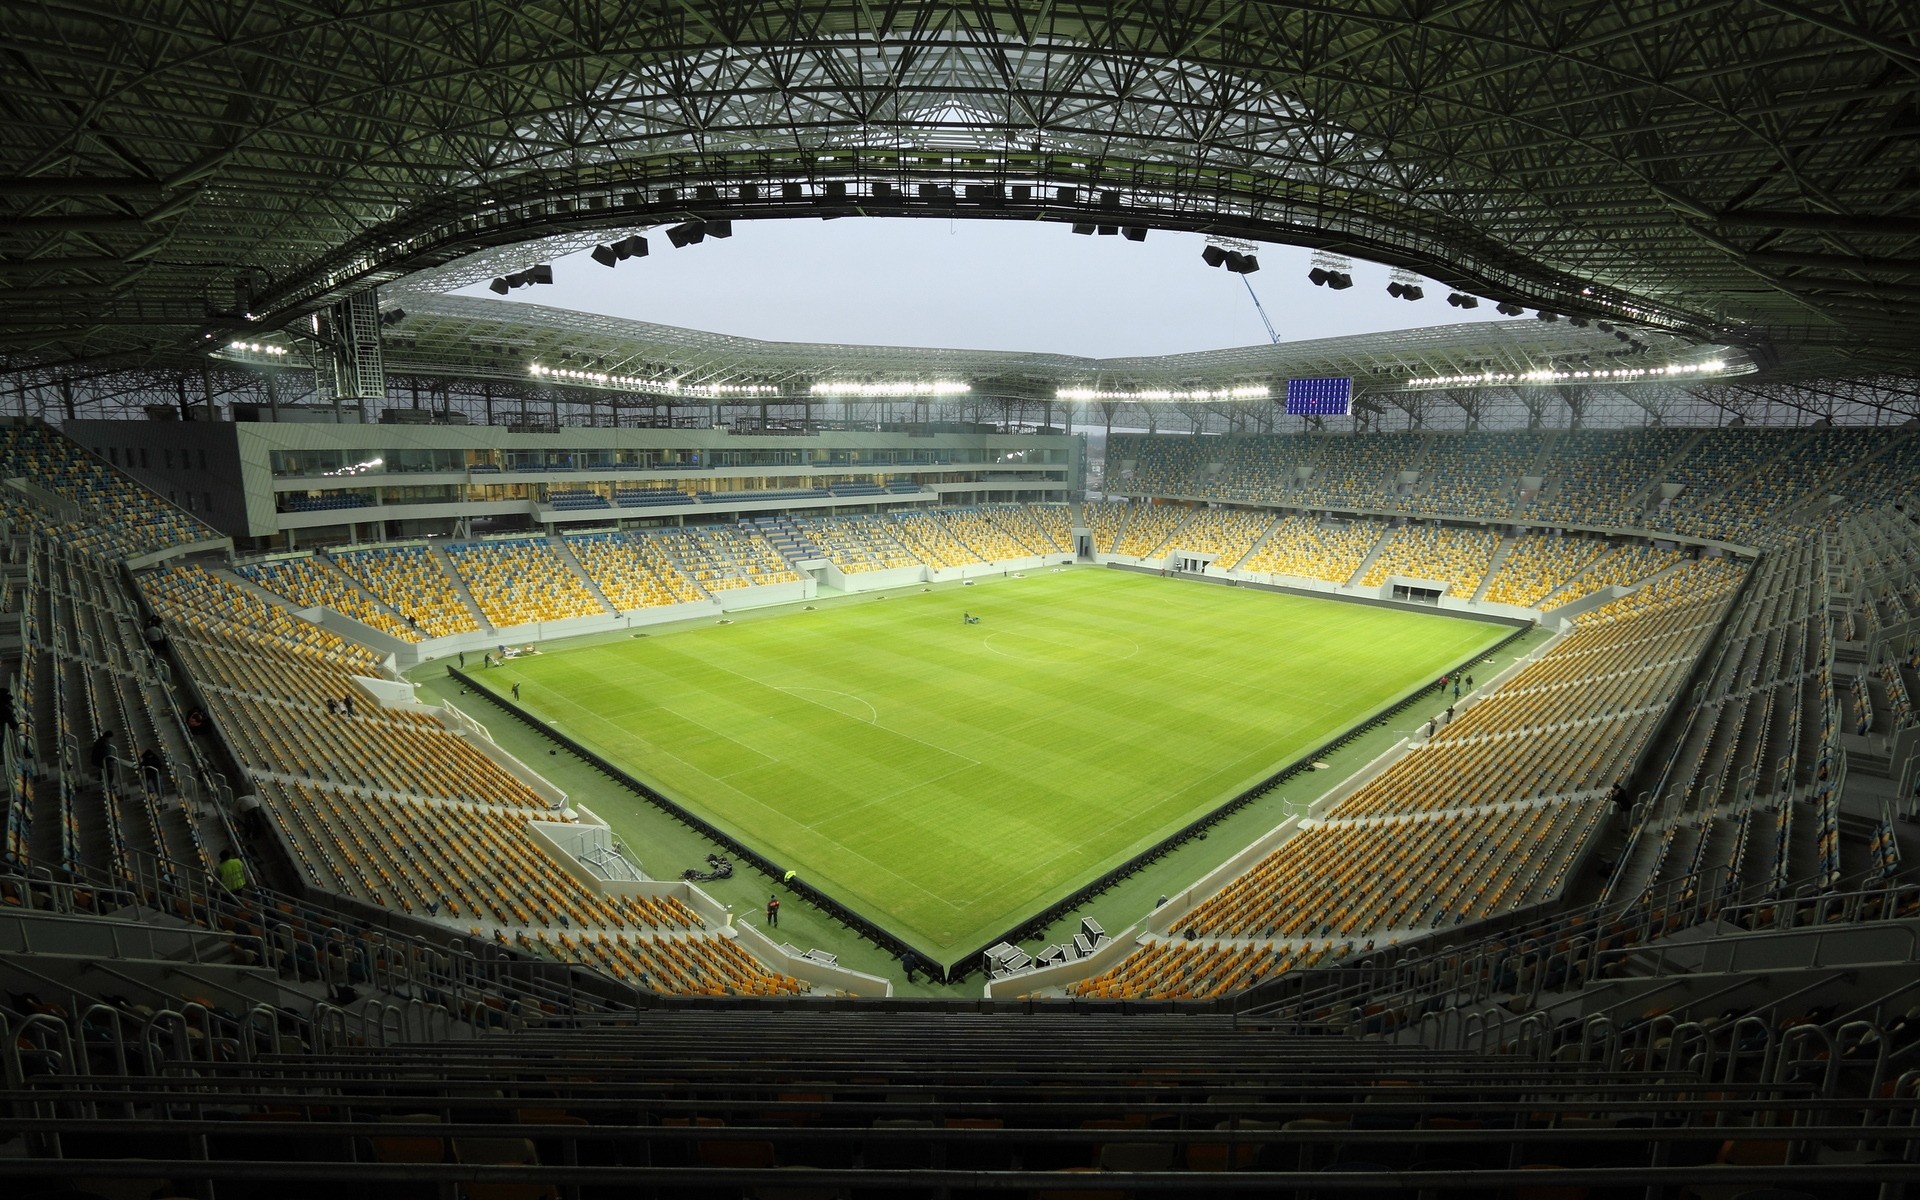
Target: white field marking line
{"x":836,"y":712}
{"x":770,"y":811}
{"x":874,"y":714}
{"x":840,"y":848}
{"x":895,"y":794}
{"x":655,"y":747}
{"x":987,"y":642}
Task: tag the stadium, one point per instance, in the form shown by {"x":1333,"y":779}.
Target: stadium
{"x":461,"y":747}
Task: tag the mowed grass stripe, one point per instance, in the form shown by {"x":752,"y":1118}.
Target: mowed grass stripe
{"x":948,"y":780}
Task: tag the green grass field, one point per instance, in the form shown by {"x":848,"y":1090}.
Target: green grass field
{"x":948,"y":780}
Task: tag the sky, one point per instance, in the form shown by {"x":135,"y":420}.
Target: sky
{"x":980,"y":285}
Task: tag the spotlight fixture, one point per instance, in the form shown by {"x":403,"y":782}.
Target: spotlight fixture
{"x":1213,"y":256}
{"x":616,"y":252}
{"x":537,"y":273}
{"x":1085,"y":227}
{"x":1135,"y":233}
{"x":1336,"y":280}
{"x":1405,"y":291}
{"x":1508,"y":308}
{"x":722,"y":228}
{"x":691,"y":233}
{"x":1242,"y":264}
{"x":1462,"y":300}
{"x":1604,"y":326}
{"x":1577,"y":322}
{"x":1544,"y":315}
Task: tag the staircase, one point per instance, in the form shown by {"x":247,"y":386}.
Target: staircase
{"x":1366,"y":564}
{"x":1167,"y":543}
{"x":784,"y":534}
{"x":1494,"y":564}
{"x":354,"y":584}
{"x":1648,"y":497}
{"x":1260,"y":544}
{"x":445,"y":562}
{"x":566,"y":555}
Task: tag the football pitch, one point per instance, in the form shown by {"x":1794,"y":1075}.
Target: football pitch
{"x":948,"y":780}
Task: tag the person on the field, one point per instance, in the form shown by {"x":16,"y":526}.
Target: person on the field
{"x":773,"y":912}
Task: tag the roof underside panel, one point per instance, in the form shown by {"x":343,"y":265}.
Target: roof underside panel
{"x":1747,"y":172}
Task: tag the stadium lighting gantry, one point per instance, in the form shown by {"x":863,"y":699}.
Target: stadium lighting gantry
{"x":1545,"y":375}
{"x":635,"y":383}
{"x":1261,"y":392}
{"x":935,"y":388}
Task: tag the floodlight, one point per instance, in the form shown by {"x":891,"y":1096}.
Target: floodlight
{"x":1213,"y":255}
{"x":722,"y":228}
{"x":1085,"y":227}
{"x":606,"y":256}
{"x":540,"y":273}
{"x":687,"y":234}
{"x":1109,"y":230}
{"x":1461,"y":300}
{"x":1508,"y":308}
{"x":632,"y":246}
{"x":1339,"y":281}
{"x":500,"y":285}
{"x":1135,"y":233}
{"x":1319,"y":276}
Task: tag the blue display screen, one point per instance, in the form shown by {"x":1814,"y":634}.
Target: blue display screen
{"x":1320,"y":397}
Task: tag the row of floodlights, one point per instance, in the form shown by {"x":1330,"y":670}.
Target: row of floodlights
{"x":935,"y":388}
{"x":637,"y":383}
{"x":256,"y":347}
{"x":1543,"y":375}
{"x":1239,"y":393}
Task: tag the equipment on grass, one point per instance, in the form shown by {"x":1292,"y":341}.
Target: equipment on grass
{"x":717,"y":868}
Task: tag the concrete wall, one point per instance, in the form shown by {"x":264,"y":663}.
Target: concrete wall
{"x":874,"y":581}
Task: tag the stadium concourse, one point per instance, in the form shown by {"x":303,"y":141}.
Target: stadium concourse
{"x":1726,"y":648}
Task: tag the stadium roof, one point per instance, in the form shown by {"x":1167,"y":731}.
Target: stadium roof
{"x":173,"y":176}
{"x":481,"y":339}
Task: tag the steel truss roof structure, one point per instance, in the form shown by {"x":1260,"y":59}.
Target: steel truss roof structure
{"x":174,"y":177}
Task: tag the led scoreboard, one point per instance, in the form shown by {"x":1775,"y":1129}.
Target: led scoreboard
{"x":1320,"y":397}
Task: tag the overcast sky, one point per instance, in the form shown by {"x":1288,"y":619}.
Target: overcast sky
{"x":980,"y":284}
